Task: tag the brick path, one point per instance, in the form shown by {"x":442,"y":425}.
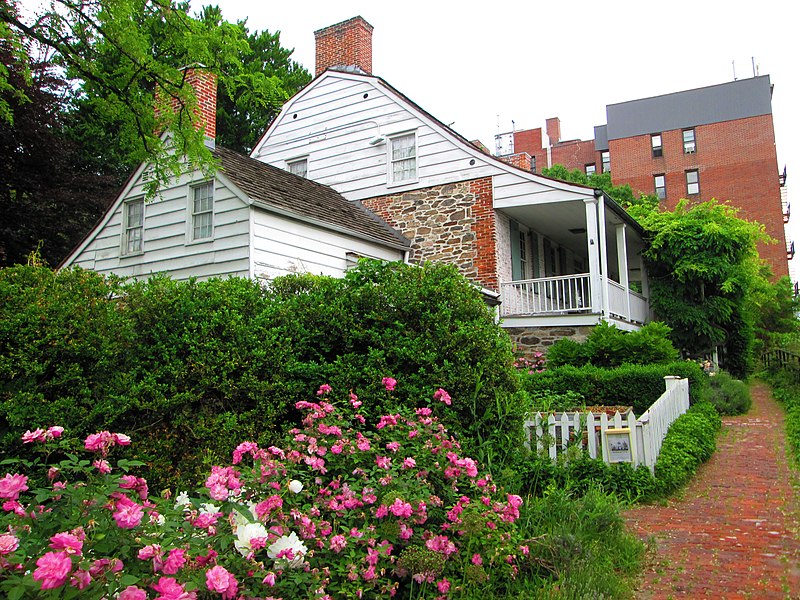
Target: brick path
{"x":732,"y":533}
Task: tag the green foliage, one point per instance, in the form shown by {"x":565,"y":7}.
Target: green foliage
{"x":728,"y":395}
{"x":776,"y":309}
{"x":622,"y":194}
{"x":117,"y":53}
{"x":786,"y":389}
{"x":581,"y":548}
{"x":189,"y":368}
{"x":703,"y":264}
{"x":629,"y":385}
{"x":608,"y":346}
{"x":691,"y":441}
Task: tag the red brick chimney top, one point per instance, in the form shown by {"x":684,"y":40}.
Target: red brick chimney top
{"x":204,"y":84}
{"x":346,"y":45}
{"x":554,"y":130}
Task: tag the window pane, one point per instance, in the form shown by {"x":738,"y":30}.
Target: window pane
{"x":202,"y":198}
{"x":202,"y":226}
{"x":692,"y":182}
{"x":403,"y":158}
{"x":656,"y":140}
{"x":203,"y":211}
{"x":135,"y":213}
{"x":299,"y":167}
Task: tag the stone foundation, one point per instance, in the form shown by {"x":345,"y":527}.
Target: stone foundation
{"x":538,"y":339}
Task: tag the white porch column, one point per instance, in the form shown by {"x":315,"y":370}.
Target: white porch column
{"x":622,"y":265}
{"x":645,"y":281}
{"x":601,"y":210}
{"x":592,"y":237}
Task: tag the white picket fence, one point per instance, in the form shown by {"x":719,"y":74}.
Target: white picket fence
{"x":616,"y":438}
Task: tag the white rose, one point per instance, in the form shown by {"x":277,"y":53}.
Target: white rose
{"x":295,"y":486}
{"x":247,"y":532}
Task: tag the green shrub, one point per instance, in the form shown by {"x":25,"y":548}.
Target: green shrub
{"x":630,"y":385}
{"x":786,"y":389}
{"x":728,"y":395}
{"x":690,"y":441}
{"x":608,"y":346}
{"x":190,"y":368}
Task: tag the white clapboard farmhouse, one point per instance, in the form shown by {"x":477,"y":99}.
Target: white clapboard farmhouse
{"x":560,"y":257}
{"x":250,"y":220}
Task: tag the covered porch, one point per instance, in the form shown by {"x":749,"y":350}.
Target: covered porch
{"x":572,"y":262}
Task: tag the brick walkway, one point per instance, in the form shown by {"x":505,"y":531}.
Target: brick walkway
{"x":732,"y":533}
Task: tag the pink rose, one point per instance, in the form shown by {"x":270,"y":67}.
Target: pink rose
{"x":175,"y":561}
{"x":53,"y":570}
{"x":128,"y":514}
{"x":169,"y":589}
{"x":37,"y":435}
{"x":67,"y":542}
{"x":12,"y":485}
{"x":389,"y":383}
{"x":8,"y":543}
{"x":442,"y":396}
{"x":218,"y":579}
{"x":133,"y":593}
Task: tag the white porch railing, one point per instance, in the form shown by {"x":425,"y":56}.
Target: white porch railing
{"x":589,"y":431}
{"x":569,"y":294}
{"x":547,"y":295}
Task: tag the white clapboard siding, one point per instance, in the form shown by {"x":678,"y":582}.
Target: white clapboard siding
{"x":166,"y":246}
{"x":556,"y":432}
{"x":332,"y":123}
{"x":283,"y":245}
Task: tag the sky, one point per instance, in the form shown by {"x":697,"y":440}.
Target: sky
{"x":488,"y":67}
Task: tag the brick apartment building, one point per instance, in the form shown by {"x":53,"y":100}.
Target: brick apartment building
{"x":712,"y":142}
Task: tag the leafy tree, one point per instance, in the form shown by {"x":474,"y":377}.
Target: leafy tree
{"x":622,"y":194}
{"x":49,"y":198}
{"x":118,"y":52}
{"x":703,"y":265}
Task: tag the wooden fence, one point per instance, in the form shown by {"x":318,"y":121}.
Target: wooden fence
{"x":614,"y":438}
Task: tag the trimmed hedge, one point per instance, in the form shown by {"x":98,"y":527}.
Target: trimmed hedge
{"x":190,"y":369}
{"x":629,"y":385}
{"x":691,"y":441}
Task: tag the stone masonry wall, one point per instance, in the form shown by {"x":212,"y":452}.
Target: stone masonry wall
{"x":538,"y":339}
{"x":452,"y":223}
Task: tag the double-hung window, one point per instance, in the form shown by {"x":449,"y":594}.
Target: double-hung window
{"x":689,"y":144}
{"x":605,"y":158}
{"x":132,"y":226}
{"x":591,"y":169}
{"x":655,"y":144}
{"x":202,"y":206}
{"x":692,"y":182}
{"x":403,"y":158}
{"x":660,"y":185}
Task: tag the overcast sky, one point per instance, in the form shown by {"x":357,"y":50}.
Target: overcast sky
{"x":478,"y":66}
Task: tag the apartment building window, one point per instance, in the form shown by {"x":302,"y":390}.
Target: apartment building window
{"x":689,"y":145}
{"x":403,"y":158}
{"x":660,"y":185}
{"x":202,"y":211}
{"x":655,"y":144}
{"x":298,"y":166}
{"x":692,"y":182}
{"x":605,"y":158}
{"x":132,"y":226}
{"x":591,"y":169}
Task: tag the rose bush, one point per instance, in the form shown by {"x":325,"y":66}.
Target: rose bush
{"x":346,"y":509}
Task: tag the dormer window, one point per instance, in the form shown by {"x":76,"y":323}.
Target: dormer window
{"x":298,"y":167}
{"x":403,"y":158}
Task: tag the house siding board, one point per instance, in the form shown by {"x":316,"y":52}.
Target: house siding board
{"x":343,"y":158}
{"x":165,"y":237}
{"x":282,"y":245}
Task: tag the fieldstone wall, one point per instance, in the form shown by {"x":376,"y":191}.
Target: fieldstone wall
{"x":452,"y":223}
{"x":538,"y":339}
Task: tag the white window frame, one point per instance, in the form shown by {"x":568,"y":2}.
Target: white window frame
{"x":605,"y":160}
{"x":693,"y":185}
{"x":390,"y":160}
{"x":292,"y":163}
{"x":689,"y":145}
{"x":590,"y":169}
{"x":192,"y":215}
{"x":656,"y":145}
{"x":127,"y":228}
{"x":662,"y":187}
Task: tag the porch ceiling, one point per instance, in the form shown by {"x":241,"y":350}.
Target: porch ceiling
{"x":565,"y":223}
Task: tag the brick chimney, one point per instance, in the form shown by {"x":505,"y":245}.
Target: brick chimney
{"x":346,"y":45}
{"x":204,"y":84}
{"x":554,"y":130}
